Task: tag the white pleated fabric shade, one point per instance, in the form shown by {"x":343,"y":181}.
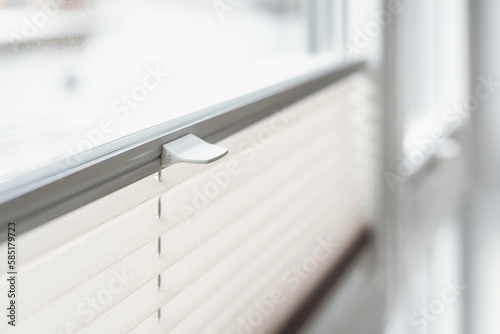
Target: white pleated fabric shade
{"x":208,"y":248}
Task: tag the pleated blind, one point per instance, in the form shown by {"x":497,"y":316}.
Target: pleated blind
{"x":231,"y":247}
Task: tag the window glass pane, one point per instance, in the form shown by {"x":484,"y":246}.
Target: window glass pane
{"x":435,"y":63}
{"x":77,"y":74}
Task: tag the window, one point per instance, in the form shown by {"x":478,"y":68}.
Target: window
{"x":79,"y":74}
{"x":98,"y":82}
{"x":106,"y":86}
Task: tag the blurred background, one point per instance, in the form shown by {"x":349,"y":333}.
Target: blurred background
{"x":75,"y":75}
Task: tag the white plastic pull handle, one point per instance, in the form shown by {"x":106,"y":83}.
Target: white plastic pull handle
{"x":190,"y":149}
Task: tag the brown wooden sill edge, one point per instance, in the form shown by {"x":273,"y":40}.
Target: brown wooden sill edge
{"x":306,"y":309}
